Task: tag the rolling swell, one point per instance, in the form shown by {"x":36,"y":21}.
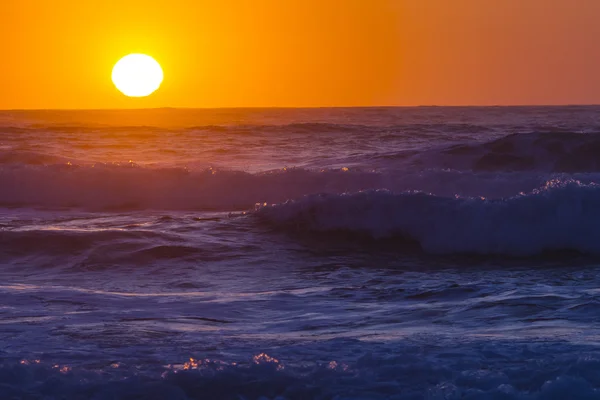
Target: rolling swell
{"x":559,"y":216}
{"x":498,"y":168}
{"x":129,"y":187}
{"x":556,"y":151}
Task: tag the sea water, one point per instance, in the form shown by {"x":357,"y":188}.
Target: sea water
{"x":377,"y":253}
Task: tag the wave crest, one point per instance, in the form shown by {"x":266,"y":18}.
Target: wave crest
{"x":559,"y":216}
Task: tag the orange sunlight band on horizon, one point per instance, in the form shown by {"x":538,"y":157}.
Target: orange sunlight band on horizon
{"x":264,"y":53}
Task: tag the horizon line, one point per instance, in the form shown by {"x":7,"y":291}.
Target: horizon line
{"x":304,"y":107}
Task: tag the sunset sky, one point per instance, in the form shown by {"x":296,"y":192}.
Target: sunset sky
{"x":247,"y":53}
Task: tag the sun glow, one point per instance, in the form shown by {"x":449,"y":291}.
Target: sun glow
{"x":137,"y":75}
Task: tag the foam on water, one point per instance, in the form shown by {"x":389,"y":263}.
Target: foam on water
{"x":405,"y":372}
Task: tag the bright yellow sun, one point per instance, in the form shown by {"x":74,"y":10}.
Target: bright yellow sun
{"x":137,"y":75}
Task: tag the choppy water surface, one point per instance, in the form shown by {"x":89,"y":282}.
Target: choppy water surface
{"x":401,"y":253}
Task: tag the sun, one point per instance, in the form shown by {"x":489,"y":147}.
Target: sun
{"x":137,"y":75}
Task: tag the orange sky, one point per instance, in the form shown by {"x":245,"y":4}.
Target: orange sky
{"x":246,"y":53}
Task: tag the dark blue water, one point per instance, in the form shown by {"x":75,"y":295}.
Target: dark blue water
{"x":393,"y":253}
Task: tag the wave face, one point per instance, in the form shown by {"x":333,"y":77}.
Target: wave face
{"x":560,"y":216}
{"x":538,"y":151}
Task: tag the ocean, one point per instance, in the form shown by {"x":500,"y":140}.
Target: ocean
{"x":341,"y":253}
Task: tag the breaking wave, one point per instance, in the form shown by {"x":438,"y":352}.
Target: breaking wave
{"x":559,"y":216}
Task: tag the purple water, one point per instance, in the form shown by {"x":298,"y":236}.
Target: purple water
{"x":383,"y":253}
